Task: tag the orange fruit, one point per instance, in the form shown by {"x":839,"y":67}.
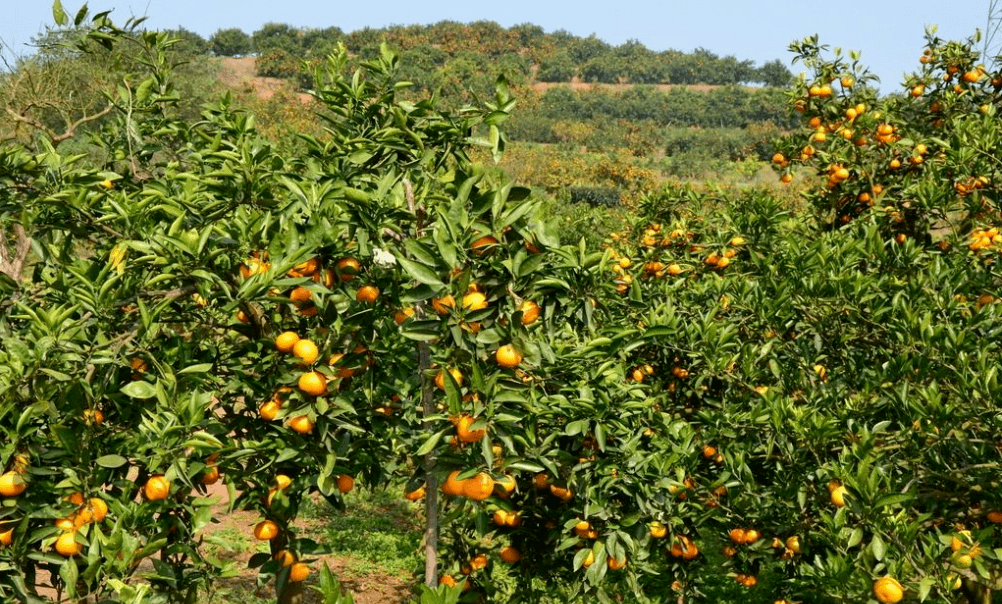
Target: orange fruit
{"x":285,"y":558}
{"x":510,"y":555}
{"x":367,"y":294}
{"x":657,"y":530}
{"x":483,"y":245}
{"x":305,"y":269}
{"x":479,"y":487}
{"x":269,"y":410}
{"x":301,"y":424}
{"x":443,"y":304}
{"x":403,"y":314}
{"x":456,"y":375}
{"x":6,"y":534}
{"x":306,"y":351}
{"x":11,"y":484}
{"x":479,"y":561}
{"x":266,"y":530}
{"x":299,"y":572}
{"x":838,"y":496}
{"x":793,"y":544}
{"x":562,"y":493}
{"x":300,"y":294}
{"x":416,"y":494}
{"x":616,"y":564}
{"x":751,"y":536}
{"x":447,"y":581}
{"x":282,"y":481}
{"x":345,"y":483}
{"x":76,"y":498}
{"x":211,"y":476}
{"x":67,"y":545}
{"x":506,"y":484}
{"x":286,"y":340}
{"x":98,"y":509}
{"x":93,"y":416}
{"x":589,"y":559}
{"x":541,"y":481}
{"x":452,"y":486}
{"x":66,"y":524}
{"x":465,"y":434}
{"x":474,"y":301}
{"x":888,"y":590}
{"x":995,"y":516}
{"x":530,"y":312}
{"x":507,"y":356}
{"x":347,"y":268}
{"x":157,"y":488}
{"x":313,"y":383}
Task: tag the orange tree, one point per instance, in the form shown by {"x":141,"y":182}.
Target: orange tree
{"x":728,"y":402}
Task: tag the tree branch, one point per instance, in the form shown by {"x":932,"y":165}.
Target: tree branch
{"x":13,"y":266}
{"x":55,"y":137}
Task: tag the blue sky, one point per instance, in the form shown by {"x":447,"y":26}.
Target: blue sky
{"x":889,"y":33}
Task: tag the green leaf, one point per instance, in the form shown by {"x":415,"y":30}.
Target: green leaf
{"x":878,"y":547}
{"x":111,"y":461}
{"x":430,"y":443}
{"x":200,"y":368}
{"x":421,"y":273}
{"x":59,"y":16}
{"x":139,"y":389}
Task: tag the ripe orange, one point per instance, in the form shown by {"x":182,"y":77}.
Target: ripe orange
{"x":443,"y":304}
{"x":313,"y":383}
{"x":98,"y":509}
{"x":589,"y":559}
{"x":157,"y":488}
{"x":6,"y":534}
{"x":403,"y":314}
{"x":345,"y":483}
{"x":616,"y":564}
{"x":510,"y":555}
{"x":479,"y":561}
{"x":838,"y":496}
{"x":456,"y":375}
{"x":995,"y":516}
{"x":541,"y":481}
{"x":888,"y":590}
{"x":76,"y":498}
{"x":483,"y":245}
{"x":562,"y":493}
{"x":657,"y":530}
{"x":286,"y":340}
{"x":93,"y":416}
{"x":305,"y":269}
{"x":507,"y":356}
{"x":269,"y":410}
{"x":474,"y":301}
{"x":452,"y":486}
{"x":211,"y":476}
{"x":306,"y":351}
{"x":300,"y":294}
{"x":479,"y":487}
{"x":285,"y":558}
{"x":465,"y":434}
{"x":367,"y":294}
{"x":416,"y":494}
{"x":67,"y":545}
{"x":793,"y":544}
{"x":301,"y":424}
{"x":347,"y":268}
{"x":282,"y":481}
{"x":266,"y":530}
{"x":530,"y":312}
{"x":506,"y":483}
{"x":447,"y":581}
{"x":299,"y":572}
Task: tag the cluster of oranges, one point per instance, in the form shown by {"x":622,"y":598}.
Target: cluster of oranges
{"x":655,"y":266}
{"x":12,"y":484}
{"x":268,"y":530}
{"x":93,"y":511}
{"x":986,"y":239}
